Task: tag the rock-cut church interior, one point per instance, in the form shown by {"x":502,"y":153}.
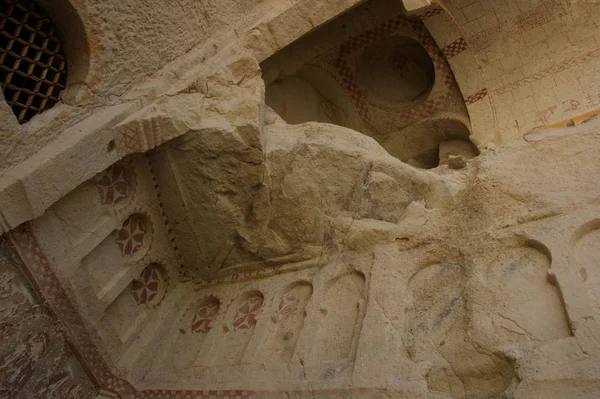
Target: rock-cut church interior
{"x":291,"y":199}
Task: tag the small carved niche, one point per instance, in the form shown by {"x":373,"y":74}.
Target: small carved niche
{"x":587,"y":261}
{"x":526,"y":302}
{"x":290,"y":315}
{"x":191,"y":341}
{"x":241,"y":324}
{"x":128,"y":313}
{"x":107,"y":264}
{"x":342,"y":313}
{"x":434,"y":301}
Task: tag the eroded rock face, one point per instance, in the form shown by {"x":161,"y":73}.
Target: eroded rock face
{"x":344,"y":269}
{"x":226,"y":247}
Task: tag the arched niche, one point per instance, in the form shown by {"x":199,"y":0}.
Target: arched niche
{"x":341,"y":316}
{"x":290,"y":313}
{"x":241,"y":322}
{"x":129,"y":312}
{"x":83,"y":212}
{"x":436,"y":331}
{"x":108,"y":263}
{"x":389,"y":75}
{"x":190,"y":344}
{"x":434,"y":300}
{"x":587,"y":261}
{"x":419,"y":144}
{"x":517,"y":295}
{"x":310,"y":95}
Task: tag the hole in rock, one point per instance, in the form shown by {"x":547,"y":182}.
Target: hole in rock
{"x":378,"y":71}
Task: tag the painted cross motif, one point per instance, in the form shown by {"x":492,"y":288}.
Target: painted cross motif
{"x":130,"y":237}
{"x":146,"y":288}
{"x":287,"y":304}
{"x":203,"y":317}
{"x":113,"y":186}
{"x":245,"y":316}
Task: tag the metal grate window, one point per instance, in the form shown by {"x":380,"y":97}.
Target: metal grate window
{"x":32,"y":67}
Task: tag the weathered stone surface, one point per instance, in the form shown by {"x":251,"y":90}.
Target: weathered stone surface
{"x":249,"y":206}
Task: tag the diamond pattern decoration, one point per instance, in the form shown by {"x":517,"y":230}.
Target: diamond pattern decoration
{"x":113,"y":186}
{"x":430,"y":12}
{"x":455,"y":48}
{"x":245,"y":315}
{"x":288,"y":304}
{"x":130,"y":238}
{"x":346,"y":76}
{"x":146,"y":288}
{"x":203,"y":317}
{"x":473,"y":98}
{"x":127,"y":138}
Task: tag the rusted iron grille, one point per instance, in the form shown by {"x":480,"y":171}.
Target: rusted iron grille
{"x":32,"y":67}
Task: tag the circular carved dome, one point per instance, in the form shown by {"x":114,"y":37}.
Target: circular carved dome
{"x":396,"y":72}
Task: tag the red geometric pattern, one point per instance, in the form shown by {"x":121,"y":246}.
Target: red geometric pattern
{"x":288,"y":304}
{"x":346,"y":76}
{"x":49,"y":287}
{"x":455,"y":48}
{"x":130,"y":237}
{"x":127,"y":138}
{"x":146,"y":288}
{"x":473,"y":98}
{"x":245,"y":315}
{"x":429,"y":12}
{"x":167,"y":394}
{"x":113,"y":186}
{"x":204,"y":316}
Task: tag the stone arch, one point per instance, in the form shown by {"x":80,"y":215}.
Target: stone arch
{"x":109,"y":263}
{"x":290,"y":314}
{"x":389,"y":74}
{"x":341,"y":317}
{"x":434,"y":299}
{"x":524,"y":293}
{"x":197,"y":329}
{"x":514,"y":298}
{"x":239,"y":329}
{"x":128,"y":313}
{"x":436,"y":331}
{"x":586,"y":248}
{"x":446,"y":32}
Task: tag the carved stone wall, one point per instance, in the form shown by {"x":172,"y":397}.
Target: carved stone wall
{"x":318,"y":200}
